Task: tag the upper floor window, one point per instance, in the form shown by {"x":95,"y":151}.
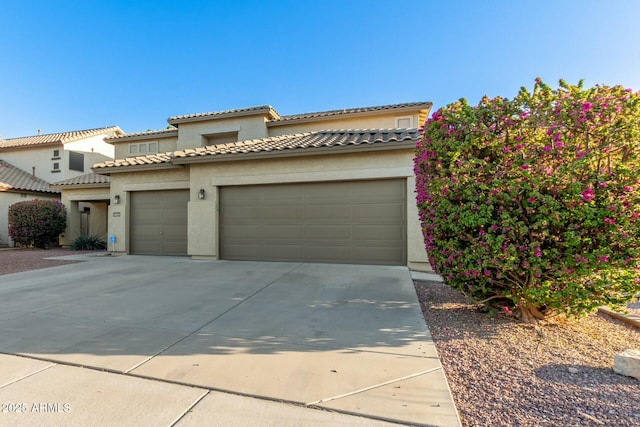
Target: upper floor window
{"x":76,"y":161}
{"x":143,"y":148}
{"x":56,"y":155}
{"x":405,"y":122}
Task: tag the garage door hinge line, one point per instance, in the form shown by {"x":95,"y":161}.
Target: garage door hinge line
{"x":214,"y":319}
{"x":362,"y":390}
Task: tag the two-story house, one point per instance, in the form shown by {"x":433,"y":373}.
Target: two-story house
{"x":29,"y":164}
{"x":251,"y":184}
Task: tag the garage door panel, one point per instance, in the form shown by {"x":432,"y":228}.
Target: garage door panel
{"x":242,"y":231}
{"x":387,"y":232}
{"x":325,"y":211}
{"x":158,"y":222}
{"x":281,"y":231}
{"x":282,"y":212}
{"x":333,"y":232}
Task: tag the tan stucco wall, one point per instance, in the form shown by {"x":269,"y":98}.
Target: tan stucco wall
{"x":203,"y":214}
{"x":123,"y":184}
{"x":383,"y":121}
{"x":190,"y":135}
{"x":9,"y":198}
{"x":72,"y":198}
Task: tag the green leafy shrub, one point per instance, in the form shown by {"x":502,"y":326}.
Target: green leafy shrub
{"x":534,"y":202}
{"x":36,"y":222}
{"x":88,"y":243}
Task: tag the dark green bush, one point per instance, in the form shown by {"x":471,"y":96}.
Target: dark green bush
{"x":37,"y":222}
{"x":88,"y":243}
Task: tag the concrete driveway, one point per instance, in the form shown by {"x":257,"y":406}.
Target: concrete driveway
{"x":300,"y":337}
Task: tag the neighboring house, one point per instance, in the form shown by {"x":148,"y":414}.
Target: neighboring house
{"x":250,"y":184}
{"x":44,"y":159}
{"x":16,"y":186}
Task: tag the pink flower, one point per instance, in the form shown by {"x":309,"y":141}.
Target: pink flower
{"x":588,"y":195}
{"x":547,"y":148}
{"x":602,"y":185}
{"x":587,"y":106}
{"x":609,"y":221}
{"x":531,"y":199}
{"x":506,"y":149}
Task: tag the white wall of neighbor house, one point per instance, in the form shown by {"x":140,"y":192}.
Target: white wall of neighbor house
{"x":203,"y":214}
{"x":42,"y":158}
{"x":94,"y":144}
{"x":122,"y":184}
{"x":385,"y":121}
{"x":7,"y":199}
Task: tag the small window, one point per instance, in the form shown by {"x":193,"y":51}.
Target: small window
{"x":76,"y":161}
{"x":142,"y":148}
{"x":153,"y":147}
{"x":56,"y":153}
{"x":133,"y":149}
{"x":56,"y":166}
{"x":404,"y":122}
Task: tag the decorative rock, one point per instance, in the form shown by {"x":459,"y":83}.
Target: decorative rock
{"x":573,"y":370}
{"x":627,"y":363}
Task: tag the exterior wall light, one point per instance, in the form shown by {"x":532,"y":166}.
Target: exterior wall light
{"x":116,"y":199}
{"x":201,"y":194}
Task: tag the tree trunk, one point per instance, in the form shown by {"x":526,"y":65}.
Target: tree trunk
{"x":528,"y":314}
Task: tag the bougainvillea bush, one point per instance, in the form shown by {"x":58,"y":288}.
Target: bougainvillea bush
{"x":533,"y":203}
{"x":36,"y":222}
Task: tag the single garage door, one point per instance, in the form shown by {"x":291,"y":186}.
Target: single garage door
{"x":356,"y":222}
{"x":158,"y":223}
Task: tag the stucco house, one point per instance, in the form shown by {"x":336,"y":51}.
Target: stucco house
{"x":29,"y":164}
{"x":250,"y":184}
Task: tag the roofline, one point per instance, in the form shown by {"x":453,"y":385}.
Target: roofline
{"x":299,"y":152}
{"x":61,"y":141}
{"x":12,"y":189}
{"x":31,"y":146}
{"x":223,"y":115}
{"x":339,"y":114}
{"x":88,"y":185}
{"x":143,"y":136}
{"x":130,"y":168}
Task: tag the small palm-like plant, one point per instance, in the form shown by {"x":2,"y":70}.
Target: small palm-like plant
{"x":88,"y":243}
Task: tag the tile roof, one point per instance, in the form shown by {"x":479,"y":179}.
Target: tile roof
{"x":379,"y":108}
{"x":227,"y":113}
{"x":13,"y":178}
{"x":283,"y":144}
{"x":150,"y":134}
{"x":55,"y":138}
{"x":90,"y":178}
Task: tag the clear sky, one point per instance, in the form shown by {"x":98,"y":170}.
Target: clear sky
{"x":69,"y":65}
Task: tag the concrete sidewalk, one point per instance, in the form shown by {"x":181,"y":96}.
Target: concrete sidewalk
{"x":191,"y":342}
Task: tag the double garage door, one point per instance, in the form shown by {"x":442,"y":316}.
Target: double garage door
{"x":360,"y":222}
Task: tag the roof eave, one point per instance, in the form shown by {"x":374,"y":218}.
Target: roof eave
{"x":141,"y":137}
{"x":298,"y":152}
{"x":135,"y":168}
{"x":413,"y":108}
{"x":216,"y":116}
{"x":92,"y":185}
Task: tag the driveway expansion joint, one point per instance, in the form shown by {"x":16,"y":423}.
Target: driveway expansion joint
{"x":362,"y":390}
{"x":190,"y":408}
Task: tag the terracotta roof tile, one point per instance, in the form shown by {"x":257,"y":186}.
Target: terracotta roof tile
{"x":421,"y":105}
{"x":163,"y":133}
{"x":54,"y":138}
{"x":90,"y":178}
{"x":283,"y":143}
{"x":13,"y":178}
{"x":236,"y":112}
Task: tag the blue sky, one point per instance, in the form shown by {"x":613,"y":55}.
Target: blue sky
{"x":68,"y":65}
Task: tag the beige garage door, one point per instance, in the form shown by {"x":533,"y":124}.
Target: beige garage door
{"x":359,"y":222}
{"x":158,"y":224}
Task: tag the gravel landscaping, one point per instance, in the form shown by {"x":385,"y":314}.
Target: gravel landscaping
{"x":506,"y":373}
{"x":17,"y":260}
